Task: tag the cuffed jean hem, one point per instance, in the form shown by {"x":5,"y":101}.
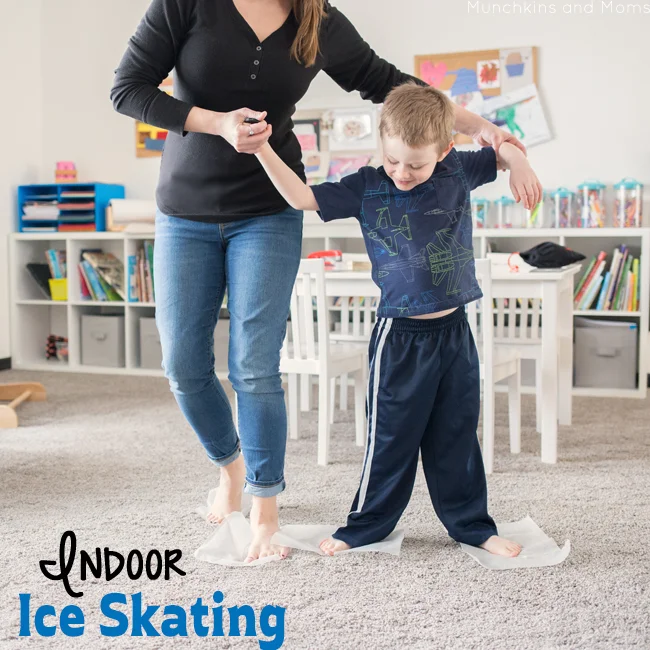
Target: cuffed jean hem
{"x":264,"y":490}
{"x":226,"y":460}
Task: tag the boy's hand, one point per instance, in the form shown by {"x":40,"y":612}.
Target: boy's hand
{"x":524,"y":184}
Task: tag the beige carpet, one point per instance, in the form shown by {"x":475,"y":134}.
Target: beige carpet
{"x":112,"y":459}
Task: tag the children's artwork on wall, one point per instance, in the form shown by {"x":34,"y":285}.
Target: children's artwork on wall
{"x":316,"y":164}
{"x":308,"y":134}
{"x":353,"y":130}
{"x":150,"y":140}
{"x":488,"y":74}
{"x":519,"y":112}
{"x":343,"y":166}
{"x":475,"y":80}
{"x":517,"y":68}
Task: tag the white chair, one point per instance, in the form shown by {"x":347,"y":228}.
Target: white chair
{"x":523,"y":336}
{"x":519,"y":328}
{"x":307,"y":351}
{"x":357,"y":319}
{"x":358,"y":315}
{"x":496,"y":364}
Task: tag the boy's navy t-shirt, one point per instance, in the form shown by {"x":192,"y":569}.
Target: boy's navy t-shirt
{"x":419,"y":242}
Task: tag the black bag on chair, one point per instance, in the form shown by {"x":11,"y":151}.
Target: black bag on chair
{"x":549,"y":255}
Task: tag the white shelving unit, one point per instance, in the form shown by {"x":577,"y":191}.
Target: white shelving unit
{"x":33,"y":319}
{"x":587,"y":240}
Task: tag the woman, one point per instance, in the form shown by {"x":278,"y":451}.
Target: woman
{"x":220,"y":222}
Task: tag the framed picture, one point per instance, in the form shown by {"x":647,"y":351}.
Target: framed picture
{"x":316,"y":163}
{"x":353,"y":130}
{"x":308,"y":134}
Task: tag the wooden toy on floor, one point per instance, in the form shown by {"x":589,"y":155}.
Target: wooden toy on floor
{"x":16,"y":394}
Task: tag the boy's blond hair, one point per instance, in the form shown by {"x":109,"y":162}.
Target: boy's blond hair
{"x":419,"y":115}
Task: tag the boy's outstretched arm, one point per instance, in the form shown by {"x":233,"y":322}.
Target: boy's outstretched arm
{"x":523,"y":180}
{"x":298,"y":195}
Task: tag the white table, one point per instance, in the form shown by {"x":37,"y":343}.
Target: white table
{"x":555,"y":289}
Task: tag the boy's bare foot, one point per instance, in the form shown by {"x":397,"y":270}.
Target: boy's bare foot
{"x":330,"y":546}
{"x":499,"y":546}
{"x":229,"y":492}
{"x":264,"y":522}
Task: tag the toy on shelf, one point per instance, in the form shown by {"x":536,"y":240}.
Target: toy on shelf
{"x":628,"y":204}
{"x":507,"y":213}
{"x":480,"y":213}
{"x":330,"y":258}
{"x":56,"y":347}
{"x":66,"y":172}
{"x":563,"y":208}
{"x":591,"y":205}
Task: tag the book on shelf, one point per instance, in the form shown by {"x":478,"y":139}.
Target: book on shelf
{"x":101,"y":276}
{"x":337,"y":301}
{"x":109,"y":271}
{"x":57,"y":263}
{"x":94,"y":286}
{"x":609,"y":289}
{"x":84,"y":285}
{"x":141,"y":284}
{"x":588,"y":277}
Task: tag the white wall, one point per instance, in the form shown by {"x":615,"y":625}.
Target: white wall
{"x":591,"y":71}
{"x":591,"y":75}
{"x":80,"y":123}
{"x":21,"y":116}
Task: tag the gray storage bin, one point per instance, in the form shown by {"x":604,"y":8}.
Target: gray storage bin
{"x":605,"y":354}
{"x":150,"y":349}
{"x":102,"y":341}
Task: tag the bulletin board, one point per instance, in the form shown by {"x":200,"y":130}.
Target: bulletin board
{"x":500,"y":85}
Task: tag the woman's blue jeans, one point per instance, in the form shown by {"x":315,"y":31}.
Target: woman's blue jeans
{"x":256,"y":260}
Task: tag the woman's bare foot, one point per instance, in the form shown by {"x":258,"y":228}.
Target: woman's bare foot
{"x":264,"y":523}
{"x":229,"y":492}
{"x":499,"y":546}
{"x":330,"y":546}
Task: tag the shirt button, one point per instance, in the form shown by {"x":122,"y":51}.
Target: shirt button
{"x":253,"y":76}
{"x":259,"y":48}
{"x":256,"y":62}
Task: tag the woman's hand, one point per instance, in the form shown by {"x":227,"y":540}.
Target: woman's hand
{"x":492,"y":136}
{"x":245,"y":138}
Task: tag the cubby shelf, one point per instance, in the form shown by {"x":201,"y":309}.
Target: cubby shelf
{"x":33,"y":318}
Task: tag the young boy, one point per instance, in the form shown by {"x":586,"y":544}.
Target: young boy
{"x":423,"y":391}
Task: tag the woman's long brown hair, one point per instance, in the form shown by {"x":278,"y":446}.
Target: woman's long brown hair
{"x":309,"y":14}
